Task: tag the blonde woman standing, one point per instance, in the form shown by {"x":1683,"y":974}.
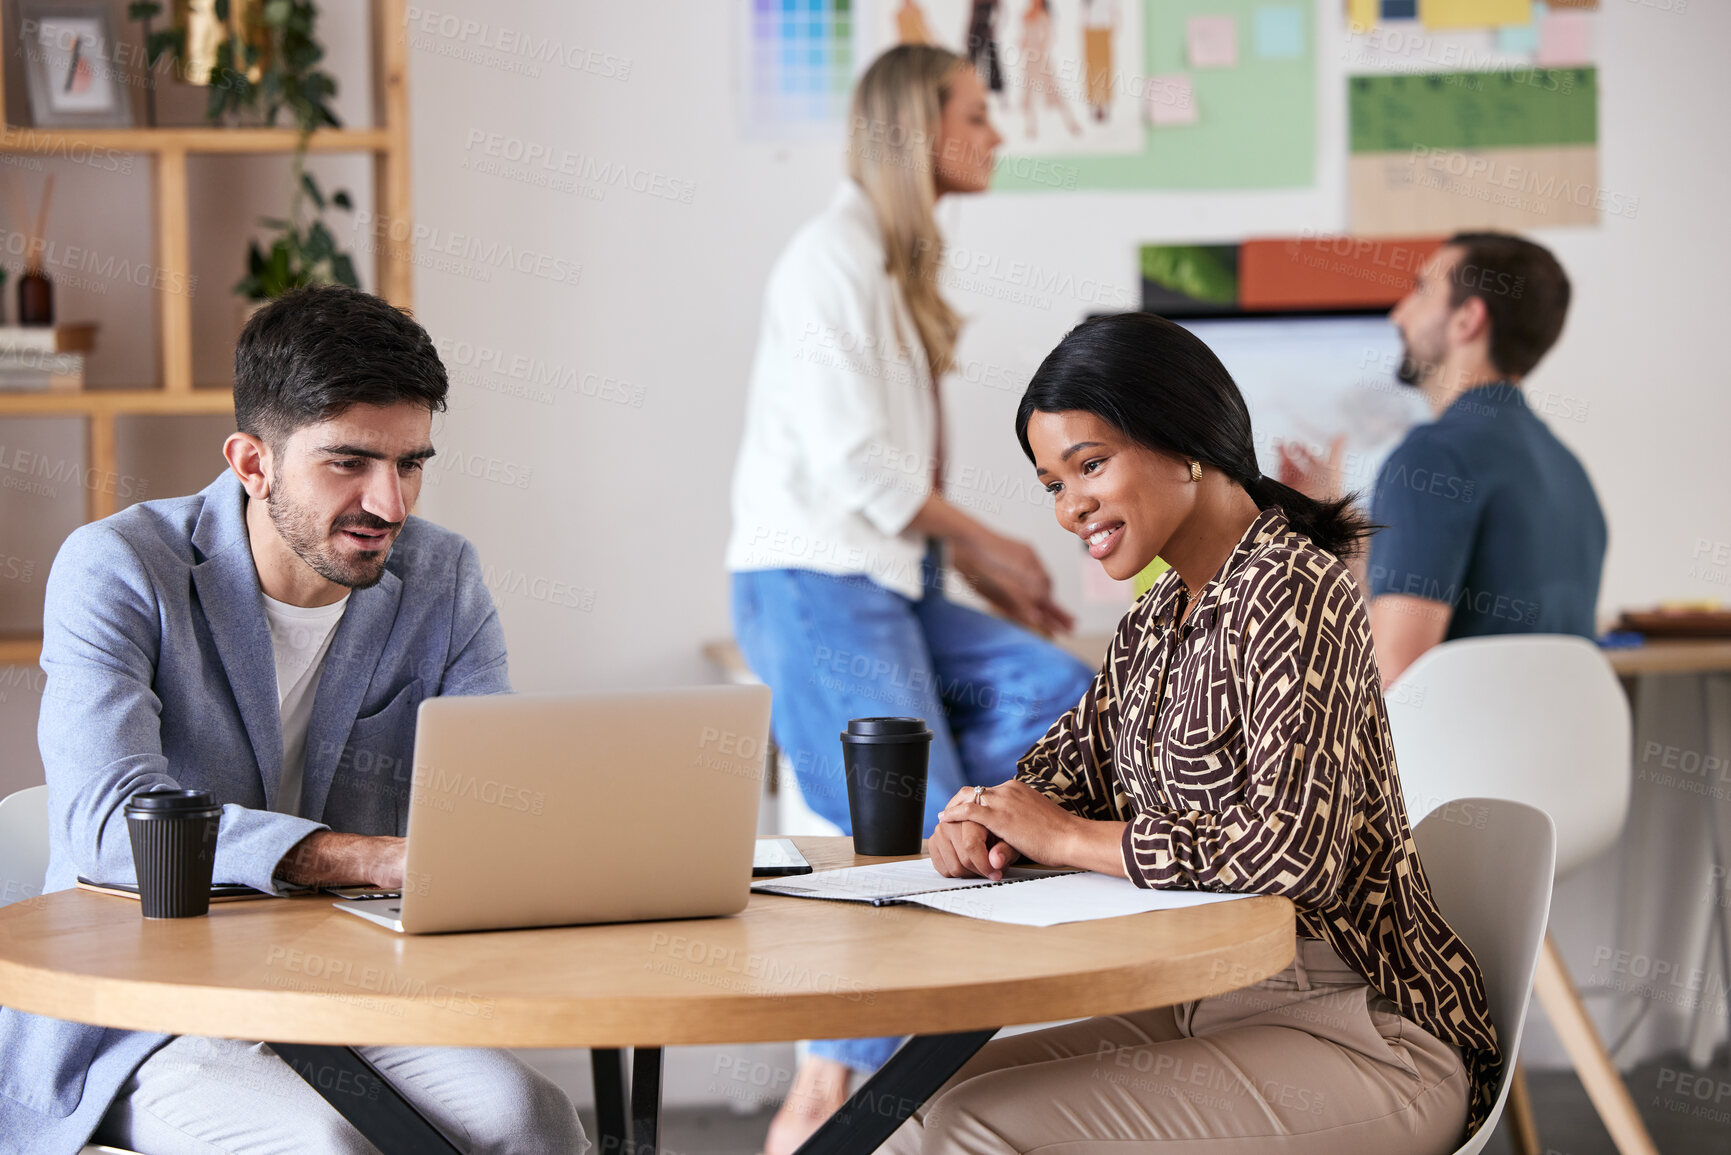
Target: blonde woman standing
{"x":841,"y":531}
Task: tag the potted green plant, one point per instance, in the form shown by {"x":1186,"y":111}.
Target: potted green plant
{"x":303,"y":251}
{"x":261,"y":58}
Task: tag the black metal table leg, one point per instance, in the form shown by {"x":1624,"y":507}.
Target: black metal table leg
{"x":607,"y":1066}
{"x":365,"y":1098}
{"x":645,"y":1100}
{"x":913,"y":1075}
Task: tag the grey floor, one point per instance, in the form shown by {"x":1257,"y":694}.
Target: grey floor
{"x":1686,"y":1111}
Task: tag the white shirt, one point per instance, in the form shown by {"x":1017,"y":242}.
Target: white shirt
{"x":841,"y":420}
{"x":300,"y":636}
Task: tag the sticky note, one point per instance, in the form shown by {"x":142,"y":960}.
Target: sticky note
{"x":1565,"y":38}
{"x":1521,"y":39}
{"x":1474,"y":13}
{"x":1213,"y":41}
{"x":1170,"y":100}
{"x":1279,"y":32}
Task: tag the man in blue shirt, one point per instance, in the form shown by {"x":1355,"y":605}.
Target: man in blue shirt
{"x":1491,"y":524}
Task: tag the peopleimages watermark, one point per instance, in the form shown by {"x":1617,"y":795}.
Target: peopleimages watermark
{"x":504,"y":47}
{"x":1393,"y":263}
{"x":1690,"y":771}
{"x":1703,"y":1096}
{"x":970,"y":486}
{"x":1711,"y":561}
{"x":442,"y":790}
{"x":1660,"y":980}
{"x":874,"y":676}
{"x":125,"y":63}
{"x":1022,"y":281}
{"x":563,"y":170}
{"x":91,"y":270}
{"x":537,"y":588}
{"x":463,"y":254}
{"x":16,"y":569}
{"x":728,"y":967}
{"x":38,"y":474}
{"x":1531,"y":189}
{"x":533,"y":378}
{"x":480,"y":467}
{"x":1176,"y":1077}
{"x":1456,"y":63}
{"x":1489,"y":603}
{"x":372,"y":980}
{"x":40,"y":145}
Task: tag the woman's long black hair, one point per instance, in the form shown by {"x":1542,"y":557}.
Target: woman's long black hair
{"x":1159,"y":385}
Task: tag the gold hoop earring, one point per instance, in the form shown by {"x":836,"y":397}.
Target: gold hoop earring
{"x":1195,"y":471}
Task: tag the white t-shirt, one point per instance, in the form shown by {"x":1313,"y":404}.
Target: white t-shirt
{"x":299,"y":636}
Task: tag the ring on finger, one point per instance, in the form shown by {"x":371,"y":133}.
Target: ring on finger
{"x":980,"y":796}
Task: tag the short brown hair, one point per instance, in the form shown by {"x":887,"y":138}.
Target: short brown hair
{"x":1524,"y":289}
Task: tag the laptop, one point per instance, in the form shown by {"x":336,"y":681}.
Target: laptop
{"x":560,"y":809}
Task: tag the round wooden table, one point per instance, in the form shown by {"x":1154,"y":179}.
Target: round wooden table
{"x":297,"y":971}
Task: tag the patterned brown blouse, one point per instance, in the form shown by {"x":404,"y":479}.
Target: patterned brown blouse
{"x":1249,"y":750}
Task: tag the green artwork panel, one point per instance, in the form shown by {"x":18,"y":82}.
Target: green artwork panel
{"x":1522,"y":108}
{"x":1256,"y":121}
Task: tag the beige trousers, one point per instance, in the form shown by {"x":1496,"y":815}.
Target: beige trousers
{"x":1309,"y":1062}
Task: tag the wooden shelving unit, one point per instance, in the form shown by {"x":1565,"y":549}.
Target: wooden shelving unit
{"x":168,"y":149}
{"x":20,"y":651}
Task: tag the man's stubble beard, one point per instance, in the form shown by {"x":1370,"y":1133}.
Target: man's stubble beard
{"x":301,"y":531}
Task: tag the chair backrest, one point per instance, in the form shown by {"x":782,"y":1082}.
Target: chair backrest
{"x":1537,"y":718}
{"x":23,"y":844}
{"x":1490,"y":863}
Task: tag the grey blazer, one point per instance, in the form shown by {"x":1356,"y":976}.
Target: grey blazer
{"x":160,"y":673}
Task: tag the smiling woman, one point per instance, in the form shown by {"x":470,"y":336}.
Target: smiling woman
{"x":1234,"y":740}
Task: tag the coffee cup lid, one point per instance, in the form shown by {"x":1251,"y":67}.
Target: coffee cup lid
{"x":886,"y":727}
{"x":163,"y":799}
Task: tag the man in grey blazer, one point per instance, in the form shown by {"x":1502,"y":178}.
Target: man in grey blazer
{"x":267,"y":640}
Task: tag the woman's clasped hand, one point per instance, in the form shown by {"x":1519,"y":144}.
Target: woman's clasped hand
{"x":984,"y":832}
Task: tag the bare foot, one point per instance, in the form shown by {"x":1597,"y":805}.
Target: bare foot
{"x":819,"y":1089}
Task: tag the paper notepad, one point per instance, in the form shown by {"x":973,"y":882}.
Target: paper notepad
{"x":1026,"y":896}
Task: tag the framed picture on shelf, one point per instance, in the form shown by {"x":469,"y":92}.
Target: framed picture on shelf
{"x":69,"y":67}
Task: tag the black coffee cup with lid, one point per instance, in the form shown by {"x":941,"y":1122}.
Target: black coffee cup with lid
{"x":173,"y":850}
{"x":885,"y":760}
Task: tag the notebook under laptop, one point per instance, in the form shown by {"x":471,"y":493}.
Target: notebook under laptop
{"x":558,"y":809}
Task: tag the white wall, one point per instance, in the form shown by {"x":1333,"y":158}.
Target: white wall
{"x":631,"y":503}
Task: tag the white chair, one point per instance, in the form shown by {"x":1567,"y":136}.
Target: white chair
{"x":1538,"y":719}
{"x":23,"y":844}
{"x":1491,"y":877}
{"x":24,"y":862}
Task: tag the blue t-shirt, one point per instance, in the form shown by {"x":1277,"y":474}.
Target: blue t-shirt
{"x":1486,"y":510}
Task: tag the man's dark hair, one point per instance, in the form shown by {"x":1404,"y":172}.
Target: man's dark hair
{"x":1525,"y":291}
{"x":312,"y":353}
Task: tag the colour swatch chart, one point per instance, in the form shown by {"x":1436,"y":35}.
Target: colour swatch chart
{"x":797,"y":65}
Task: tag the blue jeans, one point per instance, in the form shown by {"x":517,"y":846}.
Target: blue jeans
{"x":835,"y":647}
